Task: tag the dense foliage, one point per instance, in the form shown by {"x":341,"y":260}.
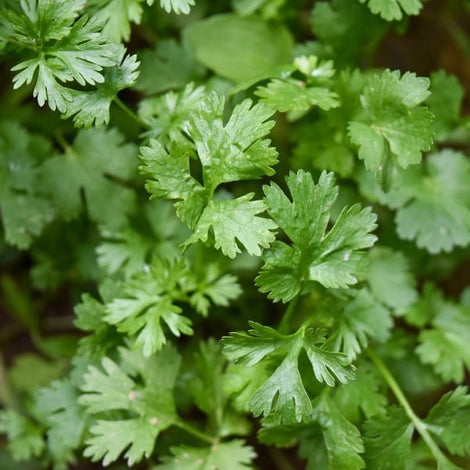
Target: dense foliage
{"x":231,"y":239}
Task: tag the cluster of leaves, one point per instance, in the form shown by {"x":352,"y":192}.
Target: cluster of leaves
{"x":247,"y":178}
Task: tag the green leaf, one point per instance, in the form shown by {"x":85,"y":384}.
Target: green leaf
{"x":168,"y":114}
{"x":450,"y":420}
{"x":92,"y":107}
{"x":390,"y":279}
{"x":433,"y":202}
{"x":233,"y":454}
{"x":116,"y":16}
{"x":393,"y":9}
{"x":387,"y":440}
{"x":348,"y":29}
{"x":147,"y":304}
{"x":169,"y":66}
{"x":333,"y":259}
{"x":235,"y":220}
{"x":95,"y":155}
{"x":445,"y":102}
{"x":264,"y":45}
{"x":394,"y":127}
{"x":24,"y":210}
{"x":282,"y":396}
{"x":177,"y":6}
{"x":362,"y":319}
{"x":231,"y":151}
{"x":71,"y":49}
{"x":65,"y":420}
{"x":342,"y":439}
{"x":25,"y":439}
{"x":149,"y":399}
{"x":286,"y":96}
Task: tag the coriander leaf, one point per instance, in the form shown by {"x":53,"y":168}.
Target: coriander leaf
{"x":92,"y":107}
{"x":168,"y":114}
{"x":286,"y":96}
{"x":433,"y":202}
{"x":445,"y":102}
{"x":233,"y":454}
{"x":264,"y":45}
{"x":101,"y":336}
{"x":71,"y":49}
{"x":147,"y":304}
{"x":169,"y":66}
{"x":24,"y":210}
{"x":390,"y":279}
{"x":235,"y":220}
{"x":394,"y":123}
{"x":346,"y":29}
{"x":450,"y":420}
{"x":342,"y":439}
{"x":392,"y":9}
{"x":177,"y":6}
{"x":361,"y":319}
{"x":65,"y":420}
{"x":387,"y":440}
{"x":25,"y":439}
{"x":361,"y":394}
{"x":149,"y":400}
{"x":332,"y":258}
{"x":227,"y":152}
{"x":282,"y":396}
{"x":89,"y":165}
{"x":443,"y":342}
{"x":116,"y":15}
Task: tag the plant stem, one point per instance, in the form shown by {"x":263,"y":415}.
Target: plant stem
{"x":284,"y":325}
{"x":130,"y":113}
{"x":190,"y":429}
{"x":419,"y":425}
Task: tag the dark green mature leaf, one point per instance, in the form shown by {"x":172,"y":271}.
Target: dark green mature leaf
{"x":342,"y":439}
{"x":24,"y":211}
{"x":264,"y":45}
{"x":450,"y":420}
{"x":149,"y":405}
{"x":234,"y":455}
{"x":66,"y":48}
{"x":445,"y":102}
{"x":87,"y":165}
{"x":390,"y":279}
{"x":65,"y":420}
{"x":169,"y":66}
{"x":333,"y":259}
{"x":25,"y":439}
{"x":282,"y":396}
{"x":394,"y":124}
{"x":388,"y":440}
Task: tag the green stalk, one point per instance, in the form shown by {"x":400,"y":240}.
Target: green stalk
{"x":284,"y":325}
{"x":130,"y":113}
{"x":190,"y":429}
{"x":418,"y":424}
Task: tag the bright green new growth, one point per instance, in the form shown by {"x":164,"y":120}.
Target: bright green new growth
{"x":331,"y":258}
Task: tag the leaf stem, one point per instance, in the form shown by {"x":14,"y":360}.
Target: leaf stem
{"x":130,"y":113}
{"x":190,"y":429}
{"x":284,"y":325}
{"x":419,"y":425}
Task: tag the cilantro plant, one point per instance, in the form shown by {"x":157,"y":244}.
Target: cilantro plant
{"x":236,"y":235}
